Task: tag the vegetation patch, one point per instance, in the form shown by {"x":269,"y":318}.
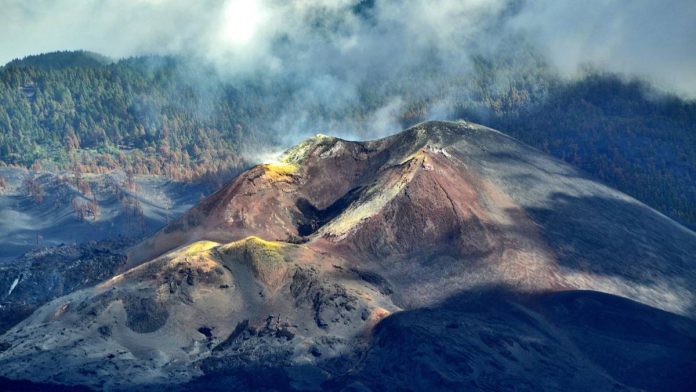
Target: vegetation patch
{"x":198,"y":247}
{"x":145,"y":315}
{"x":265,"y":258}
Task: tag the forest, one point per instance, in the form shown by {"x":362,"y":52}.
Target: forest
{"x":82,"y":112}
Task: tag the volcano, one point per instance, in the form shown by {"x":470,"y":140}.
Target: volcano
{"x":446,"y":257}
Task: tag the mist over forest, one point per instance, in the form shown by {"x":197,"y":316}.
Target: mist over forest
{"x":198,"y":90}
{"x":348,"y":195}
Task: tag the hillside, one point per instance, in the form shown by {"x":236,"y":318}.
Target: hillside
{"x":47,"y":209}
{"x":623,"y":132}
{"x":61,"y":60}
{"x":163,"y":115}
{"x":134,"y":115}
{"x":446,"y":257}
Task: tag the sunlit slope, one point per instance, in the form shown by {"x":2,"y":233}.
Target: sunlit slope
{"x":341,"y":253}
{"x":465,"y":205}
{"x":153,"y":323}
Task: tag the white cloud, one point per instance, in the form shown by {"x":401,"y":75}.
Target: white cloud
{"x":326,"y":37}
{"x":646,"y":38}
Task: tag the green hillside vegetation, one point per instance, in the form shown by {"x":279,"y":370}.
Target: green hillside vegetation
{"x":134,"y":115}
{"x":62,"y":59}
{"x":160,"y":115}
{"x":623,"y":132}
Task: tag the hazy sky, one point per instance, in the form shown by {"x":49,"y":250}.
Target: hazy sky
{"x":650,"y":38}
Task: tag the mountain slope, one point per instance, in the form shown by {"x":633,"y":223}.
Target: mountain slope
{"x":62,"y":60}
{"x":56,"y":208}
{"x":465,"y":191}
{"x":165,"y":115}
{"x":152,"y":323}
{"x":476,"y":245}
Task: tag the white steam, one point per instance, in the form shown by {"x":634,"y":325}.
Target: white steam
{"x":337,"y":54}
{"x":353,"y":38}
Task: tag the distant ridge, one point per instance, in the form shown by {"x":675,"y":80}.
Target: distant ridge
{"x":62,"y":59}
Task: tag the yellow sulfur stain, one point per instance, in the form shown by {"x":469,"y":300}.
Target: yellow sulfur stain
{"x":420,"y":154}
{"x":260,"y":241}
{"x":252,"y":241}
{"x":280,"y":170}
{"x":264,"y":258}
{"x":198,"y":247}
{"x":199,"y":253}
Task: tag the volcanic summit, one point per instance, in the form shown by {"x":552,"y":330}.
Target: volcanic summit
{"x":449,"y":249}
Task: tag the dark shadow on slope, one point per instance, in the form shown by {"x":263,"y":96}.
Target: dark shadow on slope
{"x":578,"y":340}
{"x":497,"y":340}
{"x":597,"y":237}
{"x":628,"y":240}
{"x":312,"y":218}
{"x":48,"y":273}
{"x":490,"y":340}
{"x":593,"y":229}
{"x":7,"y":385}
{"x":636,"y":344}
{"x":611,"y":237}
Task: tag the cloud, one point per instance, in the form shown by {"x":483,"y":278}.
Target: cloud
{"x":337,"y":54}
{"x":115,"y":28}
{"x":650,"y":39}
{"x":641,"y":36}
{"x":353,"y":38}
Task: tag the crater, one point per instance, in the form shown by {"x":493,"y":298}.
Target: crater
{"x":312,"y":218}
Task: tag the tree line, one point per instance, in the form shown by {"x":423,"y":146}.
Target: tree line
{"x":84,"y":113}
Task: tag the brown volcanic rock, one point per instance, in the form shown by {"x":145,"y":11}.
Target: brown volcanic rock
{"x":290,"y":267}
{"x":202,"y":306}
{"x":270,"y":200}
{"x":446,"y":206}
{"x":255,"y":203}
{"x":443,"y":229}
{"x":377,"y":203}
